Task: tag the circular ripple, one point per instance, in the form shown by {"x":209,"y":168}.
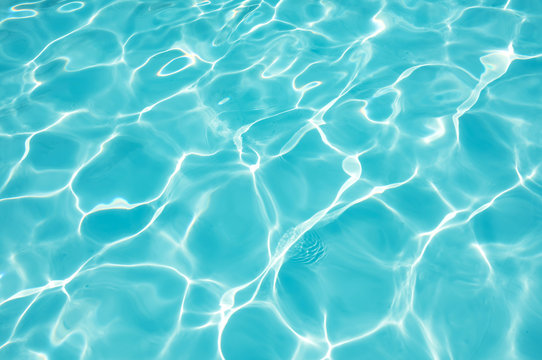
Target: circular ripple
{"x":308,"y":250}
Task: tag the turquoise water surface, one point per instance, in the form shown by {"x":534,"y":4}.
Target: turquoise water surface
{"x":271,"y":179}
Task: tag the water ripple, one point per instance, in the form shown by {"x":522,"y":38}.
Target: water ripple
{"x":270,"y":179}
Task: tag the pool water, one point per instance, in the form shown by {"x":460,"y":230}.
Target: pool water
{"x":271,"y":179}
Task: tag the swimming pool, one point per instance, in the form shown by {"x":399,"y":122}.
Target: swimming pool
{"x":272,"y":179}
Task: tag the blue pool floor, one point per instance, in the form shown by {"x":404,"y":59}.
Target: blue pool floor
{"x":271,"y":179}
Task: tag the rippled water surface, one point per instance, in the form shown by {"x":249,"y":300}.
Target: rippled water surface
{"x":271,"y":179}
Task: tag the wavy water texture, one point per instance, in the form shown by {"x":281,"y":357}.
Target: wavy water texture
{"x":271,"y":179}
